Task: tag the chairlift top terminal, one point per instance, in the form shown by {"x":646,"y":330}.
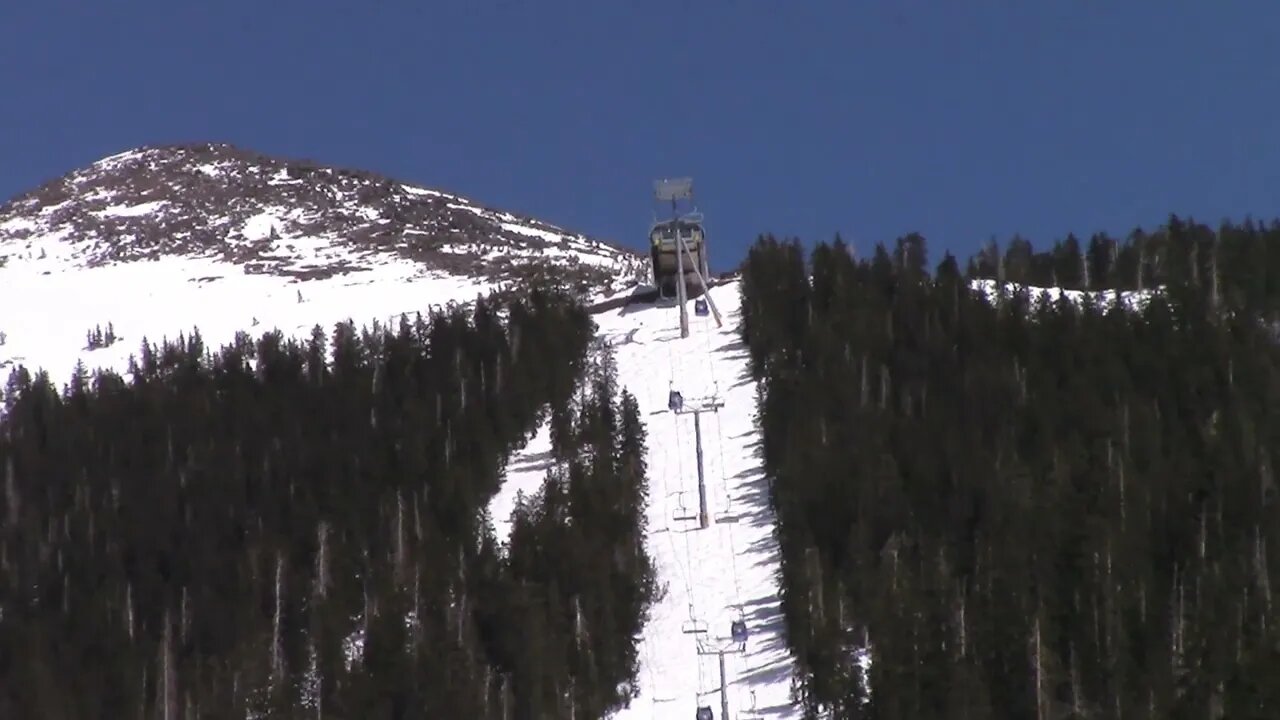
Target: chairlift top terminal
{"x":678,"y":249}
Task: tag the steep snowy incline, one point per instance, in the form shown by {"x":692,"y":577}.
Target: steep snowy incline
{"x":712,"y":576}
{"x":289,"y":217}
{"x":727,"y":571}
{"x":158,"y":240}
{"x":46,"y":310}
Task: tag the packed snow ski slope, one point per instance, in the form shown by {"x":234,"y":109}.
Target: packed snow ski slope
{"x":713,"y":576}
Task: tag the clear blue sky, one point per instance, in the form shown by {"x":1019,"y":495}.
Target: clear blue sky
{"x":958,"y":119}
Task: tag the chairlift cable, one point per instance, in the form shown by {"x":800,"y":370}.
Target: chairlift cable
{"x":686,"y":566}
{"x":687,"y":569}
{"x":688,"y":553}
{"x":707,"y":334}
{"x":733,"y":550}
{"x":740,"y":663}
{"x":690,"y":571}
{"x":681,"y":568}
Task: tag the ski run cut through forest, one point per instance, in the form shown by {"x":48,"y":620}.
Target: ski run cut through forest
{"x":855,"y":488}
{"x":712,"y":578}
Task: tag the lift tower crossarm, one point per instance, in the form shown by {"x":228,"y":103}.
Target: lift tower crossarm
{"x":705,"y":648}
{"x":697,"y":407}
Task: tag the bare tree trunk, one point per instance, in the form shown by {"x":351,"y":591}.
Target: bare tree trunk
{"x":506,"y":696}
{"x":322,"y":559}
{"x":1000,"y":271}
{"x":573,"y":706}
{"x":12,"y":499}
{"x":184,"y":617}
{"x":1215,"y":279}
{"x":865,"y":395}
{"x":1142,"y":261}
{"x":400,"y":545}
{"x":1121,"y":481}
{"x":1077,"y":694}
{"x":1260,"y":568}
{"x":1193,"y":259}
{"x":462,"y":588}
{"x":277,"y":641}
{"x":814,"y":571}
{"x":319,"y":682}
{"x":168,"y":673}
{"x":128,"y":609}
{"x":1038,"y":668}
{"x":885,"y":382}
{"x":577,"y":621}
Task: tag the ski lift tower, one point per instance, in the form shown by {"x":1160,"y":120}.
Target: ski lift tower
{"x":679,"y":247}
{"x":696,"y":406}
{"x":721,"y":646}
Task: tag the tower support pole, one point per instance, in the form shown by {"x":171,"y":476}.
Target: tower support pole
{"x":704,"y":519}
{"x":724,"y":690}
{"x":706,"y":291}
{"x":724,"y":680}
{"x":697,"y":407}
{"x":681,"y":291}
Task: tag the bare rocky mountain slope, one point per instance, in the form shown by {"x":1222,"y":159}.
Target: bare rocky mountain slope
{"x":158,"y":241}
{"x":291,"y":217}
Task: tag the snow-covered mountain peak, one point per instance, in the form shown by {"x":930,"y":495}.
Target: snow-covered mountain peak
{"x":288,"y":218}
{"x":161,"y":240}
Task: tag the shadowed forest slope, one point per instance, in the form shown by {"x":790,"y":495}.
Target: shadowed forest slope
{"x":1024,"y":508}
{"x":298,"y":529}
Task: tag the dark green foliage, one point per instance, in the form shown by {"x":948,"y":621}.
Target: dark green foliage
{"x":579,"y":576}
{"x":1026,"y":510}
{"x":98,"y":338}
{"x":208,"y":537}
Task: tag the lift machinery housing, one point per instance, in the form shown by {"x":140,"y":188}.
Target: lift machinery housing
{"x":678,"y":249}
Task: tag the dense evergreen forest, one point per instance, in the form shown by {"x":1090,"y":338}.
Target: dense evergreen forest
{"x":1030,"y":508}
{"x":1181,"y":253}
{"x":298,"y":529}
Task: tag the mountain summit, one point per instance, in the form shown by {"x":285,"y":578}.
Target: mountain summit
{"x":289,"y":218}
{"x":161,"y":240}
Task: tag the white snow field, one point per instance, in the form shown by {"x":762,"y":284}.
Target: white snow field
{"x":48,"y":301}
{"x":46,"y":307}
{"x":712,"y":576}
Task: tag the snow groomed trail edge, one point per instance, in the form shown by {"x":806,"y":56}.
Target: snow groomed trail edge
{"x":727,"y":572}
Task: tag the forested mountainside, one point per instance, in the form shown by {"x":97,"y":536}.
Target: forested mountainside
{"x":1025,"y":509}
{"x":298,"y":529}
